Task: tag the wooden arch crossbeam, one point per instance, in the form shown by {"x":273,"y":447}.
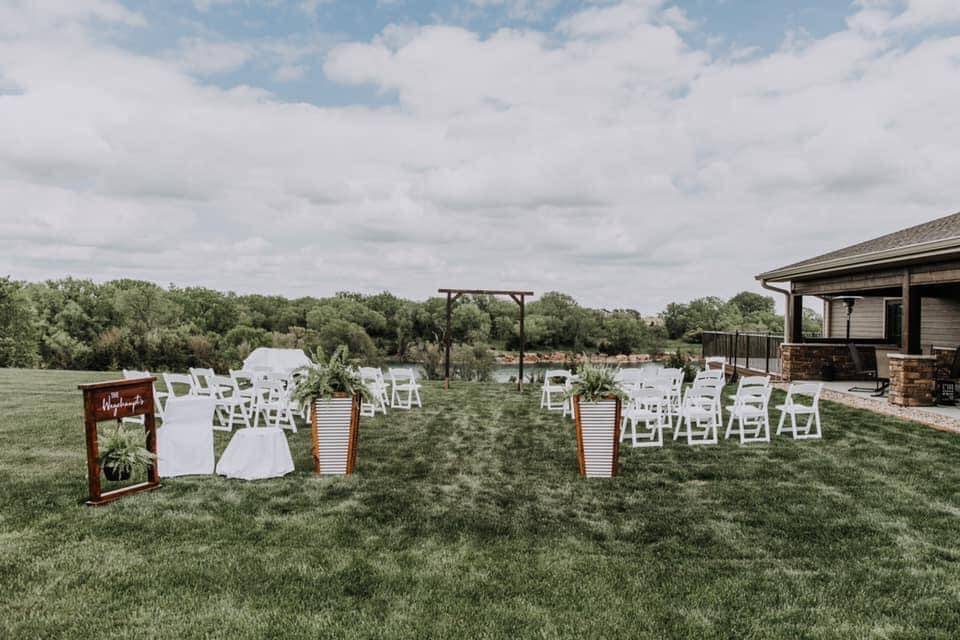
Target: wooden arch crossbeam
{"x":452,"y":295}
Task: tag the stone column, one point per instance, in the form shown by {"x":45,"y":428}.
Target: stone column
{"x":911,"y":380}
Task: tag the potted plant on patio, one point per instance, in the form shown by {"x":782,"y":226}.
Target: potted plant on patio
{"x":597,"y":400}
{"x":122,"y":453}
{"x":334,"y":392}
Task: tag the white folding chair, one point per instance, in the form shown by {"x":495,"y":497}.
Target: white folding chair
{"x":176,"y":382}
{"x":158,"y":396}
{"x":710,"y":374}
{"x":372,"y":377}
{"x":403,"y":380}
{"x":646,"y":407}
{"x":749,"y":416}
{"x":228,"y":398}
{"x":273,"y":402}
{"x":793,"y":407}
{"x":700,"y":413}
{"x":752,"y":392}
{"x":555,"y":381}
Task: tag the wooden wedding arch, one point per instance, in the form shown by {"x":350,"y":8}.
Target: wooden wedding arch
{"x":452,"y":295}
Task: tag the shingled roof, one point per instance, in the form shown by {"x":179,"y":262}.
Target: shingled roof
{"x":940,"y":234}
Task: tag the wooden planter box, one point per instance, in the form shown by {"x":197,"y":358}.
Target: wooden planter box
{"x":598,"y":436}
{"x":335,"y":423}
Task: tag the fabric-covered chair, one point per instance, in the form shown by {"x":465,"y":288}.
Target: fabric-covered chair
{"x":185,"y":439}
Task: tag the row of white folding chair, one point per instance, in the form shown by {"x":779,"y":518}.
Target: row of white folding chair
{"x":700,"y":412}
{"x":749,"y":417}
{"x":158,"y":396}
{"x":268,"y":395}
{"x":373,"y":378}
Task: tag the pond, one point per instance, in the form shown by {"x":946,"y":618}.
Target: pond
{"x":508,"y":372}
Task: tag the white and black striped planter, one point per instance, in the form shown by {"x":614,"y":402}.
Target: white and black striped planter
{"x":598,"y":437}
{"x":335,"y":424}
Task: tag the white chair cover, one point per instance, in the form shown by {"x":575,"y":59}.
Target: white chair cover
{"x":185,"y":440}
{"x":256,"y":453}
{"x":278,"y":360}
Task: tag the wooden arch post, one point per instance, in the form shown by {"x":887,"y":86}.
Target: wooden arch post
{"x":452,"y":295}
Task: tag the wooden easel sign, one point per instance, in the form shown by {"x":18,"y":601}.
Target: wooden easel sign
{"x":115,"y":400}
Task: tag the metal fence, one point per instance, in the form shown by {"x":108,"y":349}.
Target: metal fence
{"x":754,"y":351}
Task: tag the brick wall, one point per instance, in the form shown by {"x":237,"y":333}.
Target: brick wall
{"x":806,"y":361}
{"x":911,"y":380}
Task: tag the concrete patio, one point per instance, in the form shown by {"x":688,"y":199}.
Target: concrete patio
{"x":942,"y":417}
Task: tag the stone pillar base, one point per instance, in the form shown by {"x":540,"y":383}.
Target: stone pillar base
{"x":911,"y":380}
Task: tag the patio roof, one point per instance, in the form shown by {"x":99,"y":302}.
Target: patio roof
{"x":940,"y":237}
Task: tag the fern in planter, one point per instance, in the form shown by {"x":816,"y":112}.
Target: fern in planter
{"x":122,"y":453}
{"x":328,"y":377}
{"x":596,"y":383}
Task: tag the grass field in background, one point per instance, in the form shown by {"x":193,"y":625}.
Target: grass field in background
{"x":467,"y":519}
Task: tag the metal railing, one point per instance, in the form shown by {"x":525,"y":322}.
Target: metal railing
{"x":753,"y":351}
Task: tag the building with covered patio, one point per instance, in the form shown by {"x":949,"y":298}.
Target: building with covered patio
{"x":891,"y":313}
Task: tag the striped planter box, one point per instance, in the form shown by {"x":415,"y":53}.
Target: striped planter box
{"x":598,"y":437}
{"x":335,"y":423}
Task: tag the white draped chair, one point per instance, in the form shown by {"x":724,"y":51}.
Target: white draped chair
{"x":185,"y":439}
{"x":256,"y":453}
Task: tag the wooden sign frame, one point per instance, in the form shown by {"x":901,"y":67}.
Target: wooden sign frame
{"x":115,"y":400}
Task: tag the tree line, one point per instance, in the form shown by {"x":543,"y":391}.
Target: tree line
{"x":79,"y":324}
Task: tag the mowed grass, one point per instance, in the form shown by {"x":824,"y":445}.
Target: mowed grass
{"x":467,"y":518}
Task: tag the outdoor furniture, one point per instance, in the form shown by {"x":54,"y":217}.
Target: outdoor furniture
{"x":229,"y":399}
{"x":793,"y":406}
{"x":674,"y":377}
{"x":175,"y":381}
{"x":700,"y":413}
{"x":403,"y":380}
{"x":750,"y":390}
{"x":860,"y":371}
{"x":555,"y":381}
{"x":185,"y":440}
{"x":255,"y":454}
{"x":715,"y":360}
{"x":269,"y":359}
{"x":158,"y":396}
{"x":946,"y":388}
{"x":748,"y":414}
{"x":373,"y":378}
{"x":646,"y":407}
{"x":272,"y":401}
{"x":883,"y":370}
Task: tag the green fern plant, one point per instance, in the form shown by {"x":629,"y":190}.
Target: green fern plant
{"x":596,"y":382}
{"x":122,"y":452}
{"x":330,"y":376}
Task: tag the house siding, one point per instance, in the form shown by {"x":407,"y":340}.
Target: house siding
{"x":939,"y":320}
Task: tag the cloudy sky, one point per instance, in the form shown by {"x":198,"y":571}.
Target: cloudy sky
{"x":630,"y":153}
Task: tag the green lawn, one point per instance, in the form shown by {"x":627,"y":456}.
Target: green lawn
{"x":467,"y":519}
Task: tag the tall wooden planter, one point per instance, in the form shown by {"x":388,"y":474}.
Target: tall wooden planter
{"x":598,"y":436}
{"x":335,"y":424}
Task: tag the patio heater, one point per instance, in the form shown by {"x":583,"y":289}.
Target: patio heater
{"x":848,"y":301}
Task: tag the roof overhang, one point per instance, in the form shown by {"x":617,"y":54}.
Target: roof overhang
{"x":923,"y":251}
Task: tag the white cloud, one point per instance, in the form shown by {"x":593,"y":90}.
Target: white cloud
{"x":606,"y":158}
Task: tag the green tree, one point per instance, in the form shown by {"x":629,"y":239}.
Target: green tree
{"x":19,"y":330}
